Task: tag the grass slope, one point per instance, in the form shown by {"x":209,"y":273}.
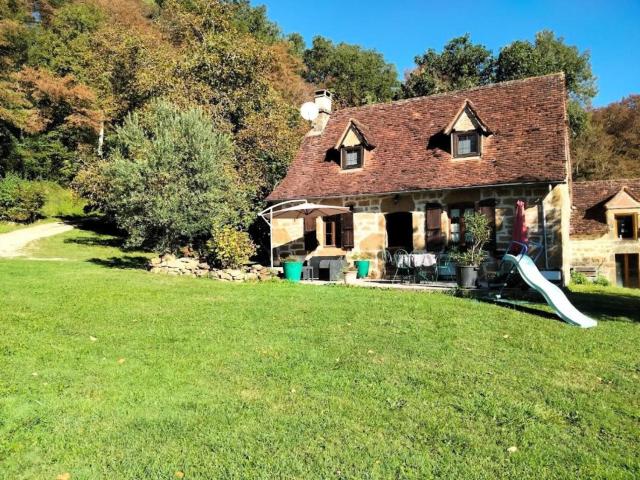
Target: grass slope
{"x":117,"y":373}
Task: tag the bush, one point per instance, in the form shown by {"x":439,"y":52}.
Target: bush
{"x":168,"y":178}
{"x":602,"y":281}
{"x":578,"y":278}
{"x":230,"y":248}
{"x":20,"y":200}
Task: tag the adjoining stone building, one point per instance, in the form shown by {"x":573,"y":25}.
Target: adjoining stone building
{"x":604,"y":230}
{"x":410,"y":169}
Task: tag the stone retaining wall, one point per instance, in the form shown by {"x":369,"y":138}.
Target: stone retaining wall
{"x":171,"y":265}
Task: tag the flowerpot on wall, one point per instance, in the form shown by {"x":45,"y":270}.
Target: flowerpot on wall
{"x":363,"y":268}
{"x":467,"y":276}
{"x":292,"y":271}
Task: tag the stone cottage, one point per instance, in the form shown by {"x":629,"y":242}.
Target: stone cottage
{"x":604,"y":230}
{"x":409,"y":170}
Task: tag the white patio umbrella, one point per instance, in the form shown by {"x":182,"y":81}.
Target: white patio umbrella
{"x":302,"y":210}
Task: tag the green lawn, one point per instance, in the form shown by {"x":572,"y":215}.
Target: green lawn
{"x":111,"y":372}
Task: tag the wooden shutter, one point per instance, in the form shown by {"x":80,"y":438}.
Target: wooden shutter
{"x":488,"y":209}
{"x":435,"y":239}
{"x":310,"y":237}
{"x":347,"y":230}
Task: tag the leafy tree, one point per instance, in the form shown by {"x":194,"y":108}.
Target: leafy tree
{"x":609,"y":146}
{"x":356,"y":76}
{"x":461,"y":64}
{"x":546,"y":55}
{"x":168,"y":179}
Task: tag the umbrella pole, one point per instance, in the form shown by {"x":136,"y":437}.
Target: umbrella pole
{"x":271,"y":236}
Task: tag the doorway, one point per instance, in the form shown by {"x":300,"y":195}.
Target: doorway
{"x":399,"y":231}
{"x":627,"y":270}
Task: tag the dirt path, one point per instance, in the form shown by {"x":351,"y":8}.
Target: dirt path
{"x":12,"y":243}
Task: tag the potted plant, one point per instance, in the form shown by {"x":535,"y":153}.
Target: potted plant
{"x":469,"y":259}
{"x":292,"y":269}
{"x":362,"y":262}
{"x":349,"y":274}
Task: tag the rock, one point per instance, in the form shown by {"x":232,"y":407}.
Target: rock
{"x":155,"y":261}
{"x":234,"y":272}
{"x":168,"y":257}
{"x":204,"y":266}
{"x":251,"y":276}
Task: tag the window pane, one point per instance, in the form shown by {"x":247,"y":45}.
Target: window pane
{"x":625,"y":226}
{"x":352,"y":158}
{"x":467,"y":144}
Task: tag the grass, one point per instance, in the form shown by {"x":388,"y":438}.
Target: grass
{"x":60,"y":202}
{"x":117,"y":373}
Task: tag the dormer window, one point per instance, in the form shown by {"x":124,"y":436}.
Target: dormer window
{"x":466,"y":129}
{"x":351,"y":157}
{"x":466,"y":144}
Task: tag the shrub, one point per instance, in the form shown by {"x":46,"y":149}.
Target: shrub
{"x":578,"y":278}
{"x":168,"y":178}
{"x":20,"y":200}
{"x":477,"y":226}
{"x":230,"y":248}
{"x":602,"y":281}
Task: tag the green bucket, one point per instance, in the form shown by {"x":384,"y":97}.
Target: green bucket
{"x":363,"y":268}
{"x":292,"y":271}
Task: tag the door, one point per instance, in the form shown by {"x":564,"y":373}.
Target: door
{"x":628,"y":270}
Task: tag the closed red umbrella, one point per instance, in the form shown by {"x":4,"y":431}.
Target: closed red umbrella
{"x":519,"y":226}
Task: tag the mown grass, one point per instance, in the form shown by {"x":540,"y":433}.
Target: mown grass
{"x":117,"y":373}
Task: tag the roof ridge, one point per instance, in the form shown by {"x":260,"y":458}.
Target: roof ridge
{"x":603,"y":180}
{"x":451,"y":92}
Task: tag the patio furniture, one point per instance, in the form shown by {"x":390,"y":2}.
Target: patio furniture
{"x":327,"y":268}
{"x":419,"y":264}
{"x":403,"y":265}
{"x":307,"y":273}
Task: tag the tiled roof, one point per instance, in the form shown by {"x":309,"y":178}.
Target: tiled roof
{"x":588,"y":216}
{"x":528,"y":143}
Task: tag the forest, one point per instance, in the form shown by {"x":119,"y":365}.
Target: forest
{"x":176,"y":118}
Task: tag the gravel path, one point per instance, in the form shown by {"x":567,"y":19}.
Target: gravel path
{"x":12,"y":243}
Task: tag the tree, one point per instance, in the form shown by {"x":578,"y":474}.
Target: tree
{"x":461,"y":64}
{"x":609,"y":146}
{"x":546,"y":55}
{"x":168,"y":179}
{"x":356,"y":76}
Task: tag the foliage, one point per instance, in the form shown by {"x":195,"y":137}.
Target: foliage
{"x":230,"y":247}
{"x":167,"y":179}
{"x":356,"y":76}
{"x":578,"y":278}
{"x":609,"y":147}
{"x":20,"y":200}
{"x":463,"y":64}
{"x":476,"y":225}
{"x":602,"y":281}
{"x":260,"y":372}
{"x":290,"y":259}
{"x":460,"y":65}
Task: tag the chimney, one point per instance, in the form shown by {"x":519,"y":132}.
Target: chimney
{"x":323,"y":101}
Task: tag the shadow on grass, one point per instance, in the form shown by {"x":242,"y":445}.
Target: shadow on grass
{"x":607,"y":306}
{"x":92,"y":223}
{"x":128,"y":262}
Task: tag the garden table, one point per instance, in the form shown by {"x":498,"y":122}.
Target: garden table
{"x":417,"y":260}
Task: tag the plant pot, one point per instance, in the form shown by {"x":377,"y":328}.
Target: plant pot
{"x":363,"y":268}
{"x":350,"y":277}
{"x":292,"y":271}
{"x":466,"y":276}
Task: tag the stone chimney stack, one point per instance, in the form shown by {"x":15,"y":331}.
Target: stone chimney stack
{"x":323,"y":101}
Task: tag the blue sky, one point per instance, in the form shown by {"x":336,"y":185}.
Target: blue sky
{"x":402,"y":29}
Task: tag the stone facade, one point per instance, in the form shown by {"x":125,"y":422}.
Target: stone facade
{"x":370,"y":234}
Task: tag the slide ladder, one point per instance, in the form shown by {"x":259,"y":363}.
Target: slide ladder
{"x":554,"y":296}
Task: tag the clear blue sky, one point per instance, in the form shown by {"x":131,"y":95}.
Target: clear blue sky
{"x":402,"y":29}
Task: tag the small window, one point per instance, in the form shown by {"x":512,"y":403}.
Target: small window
{"x":466,"y":144}
{"x":456,"y":219}
{"x":626,"y":227}
{"x":351,"y":157}
{"x":333,"y":231}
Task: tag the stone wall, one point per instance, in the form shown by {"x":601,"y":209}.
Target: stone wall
{"x":600,"y":252}
{"x":194,"y":267}
{"x":370,"y":234}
